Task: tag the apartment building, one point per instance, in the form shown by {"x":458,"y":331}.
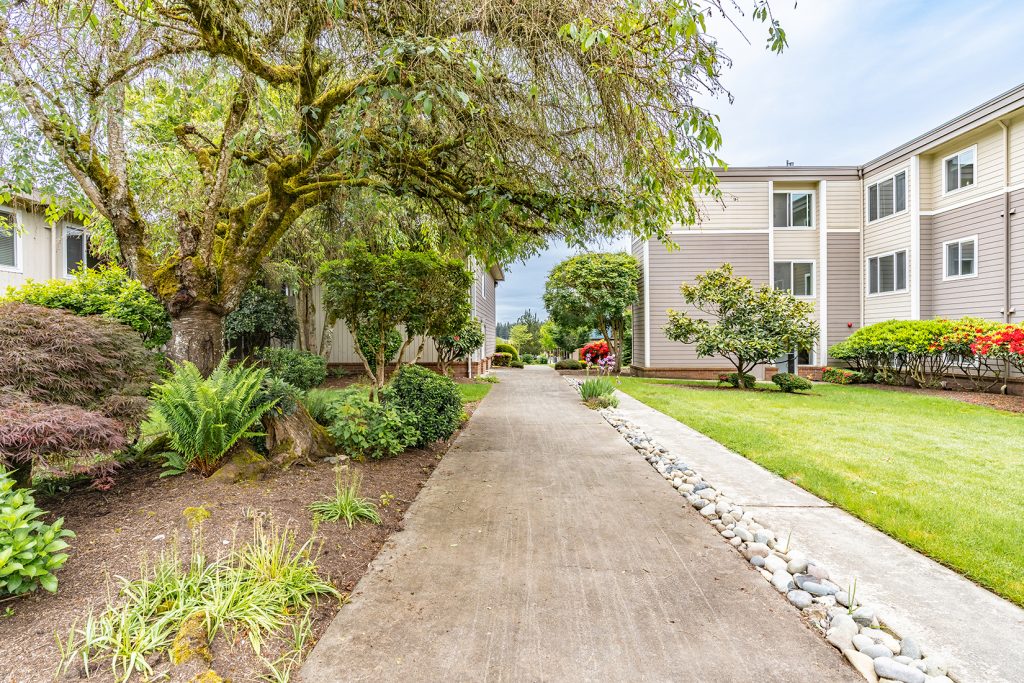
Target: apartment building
{"x":33,"y":249}
{"x":929,"y":229}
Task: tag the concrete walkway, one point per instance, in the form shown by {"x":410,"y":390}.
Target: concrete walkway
{"x":544,"y":549}
{"x":980,"y":635}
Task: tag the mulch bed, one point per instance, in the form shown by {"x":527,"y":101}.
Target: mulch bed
{"x":142,"y":516}
{"x":1009,"y":402}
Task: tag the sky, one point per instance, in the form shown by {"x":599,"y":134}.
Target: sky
{"x":859,"y":78}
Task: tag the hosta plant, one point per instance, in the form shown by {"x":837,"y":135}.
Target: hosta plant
{"x":30,"y":549}
{"x":207,"y":416}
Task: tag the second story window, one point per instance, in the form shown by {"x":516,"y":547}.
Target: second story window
{"x":961,"y":258}
{"x":958,"y":170}
{"x":794,"y":276}
{"x":887,"y":197}
{"x":887,"y":273}
{"x":76,"y":251}
{"x":8,"y":241}
{"x":793,"y":210}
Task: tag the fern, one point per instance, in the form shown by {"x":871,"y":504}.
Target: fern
{"x":207,"y":416}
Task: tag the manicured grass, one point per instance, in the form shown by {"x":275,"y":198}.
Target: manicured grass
{"x":940,"y":475}
{"x":473,"y":391}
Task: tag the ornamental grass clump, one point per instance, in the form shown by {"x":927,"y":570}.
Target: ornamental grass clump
{"x":598,"y":392}
{"x":206,"y":417}
{"x":346,"y":504}
{"x":257,"y":589}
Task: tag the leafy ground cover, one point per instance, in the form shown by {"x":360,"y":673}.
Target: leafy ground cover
{"x":940,"y":475}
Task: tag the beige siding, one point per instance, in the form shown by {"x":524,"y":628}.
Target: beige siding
{"x":882,"y":237}
{"x":743,"y":206}
{"x":638,"y":308}
{"x":697,"y":253}
{"x":486,"y":308}
{"x":844,"y":271}
{"x":1016,"y":132}
{"x":980,"y":296}
{"x":988,"y":169}
{"x":845,"y":205}
{"x":35,"y":248}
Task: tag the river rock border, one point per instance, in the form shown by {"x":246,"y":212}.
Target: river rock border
{"x":848,"y":625}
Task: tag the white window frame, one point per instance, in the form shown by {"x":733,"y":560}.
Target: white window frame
{"x":19,"y":260}
{"x":814,"y":276}
{"x":789,"y":208}
{"x":812,"y":359}
{"x":942,"y":170}
{"x":64,"y":229}
{"x":945,"y":257}
{"x":867,"y":272}
{"x":879,"y":181}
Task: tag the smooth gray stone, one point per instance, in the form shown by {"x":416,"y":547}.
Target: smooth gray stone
{"x":910,"y":648}
{"x":890,"y":668}
{"x":800,"y":599}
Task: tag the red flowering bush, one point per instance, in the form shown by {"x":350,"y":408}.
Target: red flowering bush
{"x":1005,"y":343}
{"x":594,"y":351}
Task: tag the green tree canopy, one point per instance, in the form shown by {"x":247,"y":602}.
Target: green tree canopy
{"x":746,"y":325}
{"x":376,"y":293}
{"x":596,"y":291}
{"x":196,"y":133}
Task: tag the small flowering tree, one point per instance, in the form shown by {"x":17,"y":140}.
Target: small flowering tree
{"x":452,"y":347}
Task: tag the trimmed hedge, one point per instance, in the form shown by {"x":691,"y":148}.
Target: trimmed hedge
{"x":569,"y":364}
{"x":433,"y":401}
{"x":789,"y":383}
{"x":734,"y":380}
{"x":512,"y":351}
{"x":841,"y":376}
{"x":501,"y":359}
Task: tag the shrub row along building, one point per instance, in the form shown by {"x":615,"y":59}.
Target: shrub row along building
{"x":929,"y":229}
{"x":32,"y":248}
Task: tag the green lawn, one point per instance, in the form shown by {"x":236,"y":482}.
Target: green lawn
{"x":942,"y":476}
{"x":473,"y":391}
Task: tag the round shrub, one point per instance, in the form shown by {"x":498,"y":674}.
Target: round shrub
{"x":501,"y":359}
{"x":433,"y":400}
{"x":735,"y":380}
{"x":30,"y":549}
{"x":517,"y":364}
{"x":789,"y":383}
{"x":509,"y":349}
{"x":841,"y":376}
{"x":569,"y":364}
{"x":107,"y":290}
{"x":365,"y":429}
{"x":299,"y":368}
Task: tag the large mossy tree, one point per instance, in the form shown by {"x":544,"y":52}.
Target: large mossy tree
{"x":195,"y":133}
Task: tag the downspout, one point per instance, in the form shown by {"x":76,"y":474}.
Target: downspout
{"x":1007,"y":315}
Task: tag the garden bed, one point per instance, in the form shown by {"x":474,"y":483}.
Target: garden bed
{"x":143,"y":515}
{"x":1008,"y":402}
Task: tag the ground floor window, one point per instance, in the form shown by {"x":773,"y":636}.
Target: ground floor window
{"x":76,"y":251}
{"x":8,"y":241}
{"x":794,"y":276}
{"x":887,"y":273}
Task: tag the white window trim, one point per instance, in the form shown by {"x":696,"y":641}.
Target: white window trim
{"x":867,"y":273}
{"x":812,"y":358}
{"x":789,"y":206}
{"x":878,"y":181}
{"x":945,"y":256}
{"x":19,"y":256}
{"x":814,"y":276}
{"x":942,"y":171}
{"x":64,"y":228}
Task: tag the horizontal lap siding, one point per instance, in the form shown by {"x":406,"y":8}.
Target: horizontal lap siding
{"x":487,"y":309}
{"x":1017,"y":256}
{"x":638,"y":307}
{"x":696,"y":254}
{"x":35,"y":251}
{"x":980,"y":296}
{"x":1016,"y":126}
{"x":882,"y":237}
{"x":988,"y":168}
{"x":843,"y":285}
{"x":845,"y":205}
{"x":743,"y":205}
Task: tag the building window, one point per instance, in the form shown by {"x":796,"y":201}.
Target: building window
{"x":961,"y":258}
{"x":887,"y":197}
{"x":794,"y":276}
{"x":76,"y":251}
{"x":9,"y":241}
{"x":791,"y":361}
{"x":958,"y":170}
{"x":887,"y":273}
{"x":793,"y":210}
